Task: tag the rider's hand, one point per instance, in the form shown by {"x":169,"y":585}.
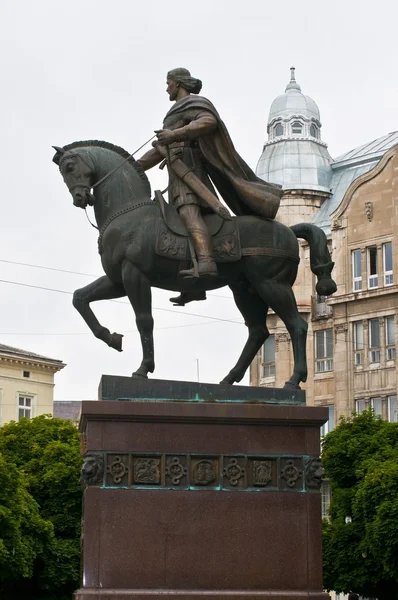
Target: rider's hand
{"x":165,"y":136}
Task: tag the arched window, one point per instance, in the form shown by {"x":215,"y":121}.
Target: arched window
{"x":314,"y":131}
{"x":278,"y":130}
{"x":297,"y":127}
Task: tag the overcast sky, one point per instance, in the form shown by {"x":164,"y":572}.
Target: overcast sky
{"x":95,"y":69}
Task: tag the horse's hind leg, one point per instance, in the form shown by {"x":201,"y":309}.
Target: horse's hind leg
{"x":101,"y":289}
{"x":254,"y":312}
{"x":281,"y":299}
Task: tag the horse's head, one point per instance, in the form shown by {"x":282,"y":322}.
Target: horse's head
{"x":77,"y":169}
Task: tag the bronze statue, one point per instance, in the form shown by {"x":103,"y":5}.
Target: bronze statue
{"x":197,"y":140}
{"x":142,"y":243}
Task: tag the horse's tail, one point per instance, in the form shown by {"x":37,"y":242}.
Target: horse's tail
{"x":320,"y":260}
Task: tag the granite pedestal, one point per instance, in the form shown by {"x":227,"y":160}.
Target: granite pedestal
{"x":200,"y":492}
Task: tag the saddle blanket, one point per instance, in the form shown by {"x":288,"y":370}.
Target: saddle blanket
{"x":226,"y":243}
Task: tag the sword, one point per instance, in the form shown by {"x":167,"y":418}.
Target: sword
{"x":193,"y":182}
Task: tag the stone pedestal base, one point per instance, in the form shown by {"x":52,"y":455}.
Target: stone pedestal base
{"x":208,"y":500}
{"x":86,"y":594}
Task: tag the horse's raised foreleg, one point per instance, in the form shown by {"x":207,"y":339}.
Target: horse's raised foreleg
{"x":254,"y":312}
{"x":138,"y":290}
{"x":101,"y":289}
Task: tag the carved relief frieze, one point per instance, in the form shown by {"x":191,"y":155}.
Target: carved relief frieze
{"x":233,"y":471}
{"x":262,"y":472}
{"x":204,"y":472}
{"x":291,"y":473}
{"x":147,"y":471}
{"x":271,"y":473}
{"x":117,"y":469}
{"x":176,"y":470}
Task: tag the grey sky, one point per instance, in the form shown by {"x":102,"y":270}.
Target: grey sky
{"x":94,"y":69}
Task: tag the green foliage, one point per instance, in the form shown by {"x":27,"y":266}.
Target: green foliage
{"x":361,"y":461}
{"x":43,"y":517}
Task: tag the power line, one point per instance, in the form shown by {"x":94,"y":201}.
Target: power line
{"x":40,"y":287}
{"x":21,"y":264}
{"x":123,"y":331}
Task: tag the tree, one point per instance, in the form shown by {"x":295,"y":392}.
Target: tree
{"x":361,"y":461}
{"x":24,"y":534}
{"x":45,"y":453}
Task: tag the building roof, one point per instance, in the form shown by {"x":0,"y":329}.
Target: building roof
{"x":348,"y":167}
{"x":18,"y":352}
{"x":296,"y":164}
{"x":67,"y":409}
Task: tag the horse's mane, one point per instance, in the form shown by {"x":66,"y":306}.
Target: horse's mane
{"x":123,"y":153}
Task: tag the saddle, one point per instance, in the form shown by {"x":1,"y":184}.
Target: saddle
{"x":172,"y":236}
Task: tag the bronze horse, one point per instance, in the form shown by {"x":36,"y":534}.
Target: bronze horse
{"x":128,"y":222}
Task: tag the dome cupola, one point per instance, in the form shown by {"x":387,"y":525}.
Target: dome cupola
{"x":294,"y":155}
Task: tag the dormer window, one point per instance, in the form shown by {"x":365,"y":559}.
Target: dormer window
{"x":314,"y":131}
{"x":297,"y":127}
{"x":278,"y":130}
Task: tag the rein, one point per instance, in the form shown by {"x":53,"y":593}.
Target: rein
{"x":105,"y":177}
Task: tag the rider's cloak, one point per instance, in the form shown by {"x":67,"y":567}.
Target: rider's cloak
{"x":239,"y":186}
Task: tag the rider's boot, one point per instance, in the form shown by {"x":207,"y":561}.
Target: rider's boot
{"x":188,"y":296}
{"x":203,"y":246}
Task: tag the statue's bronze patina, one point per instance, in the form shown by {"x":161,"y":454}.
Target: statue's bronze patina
{"x":195,"y":135}
{"x":145,"y":243}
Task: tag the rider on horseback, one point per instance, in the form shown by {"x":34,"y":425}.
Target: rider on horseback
{"x":193,"y":131}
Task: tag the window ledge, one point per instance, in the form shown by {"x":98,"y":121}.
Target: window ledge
{"x":324,"y":375}
{"x":267,"y":380}
{"x":363,"y":294}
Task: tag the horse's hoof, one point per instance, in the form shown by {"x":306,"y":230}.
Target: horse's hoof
{"x":226,"y":381}
{"x":291,"y":386}
{"x":115,"y":341}
{"x":138,"y":375}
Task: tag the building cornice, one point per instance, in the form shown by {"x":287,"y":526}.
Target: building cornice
{"x":31,"y":362}
{"x":363,"y":295}
{"x":361,"y":180}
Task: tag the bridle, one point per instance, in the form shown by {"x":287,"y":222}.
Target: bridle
{"x":104,"y":178}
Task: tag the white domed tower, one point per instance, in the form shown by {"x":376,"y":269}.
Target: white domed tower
{"x":295,"y":156}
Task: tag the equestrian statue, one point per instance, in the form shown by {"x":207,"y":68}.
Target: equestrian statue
{"x":191,"y":243}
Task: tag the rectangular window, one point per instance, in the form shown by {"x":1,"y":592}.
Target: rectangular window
{"x":325,"y":498}
{"x":24,"y":407}
{"x":390,"y":338}
{"x":373,"y":277}
{"x":374,"y":341}
{"x":392,"y":409}
{"x":358,"y":342}
{"x":323,"y":350}
{"x":269,"y":357}
{"x":329,"y":425}
{"x":375,"y":403}
{"x":356,"y":270}
{"x":26,"y":373}
{"x":360,"y":406}
{"x":387,"y":263}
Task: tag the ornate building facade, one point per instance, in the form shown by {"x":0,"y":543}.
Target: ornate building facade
{"x":352,"y":335}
